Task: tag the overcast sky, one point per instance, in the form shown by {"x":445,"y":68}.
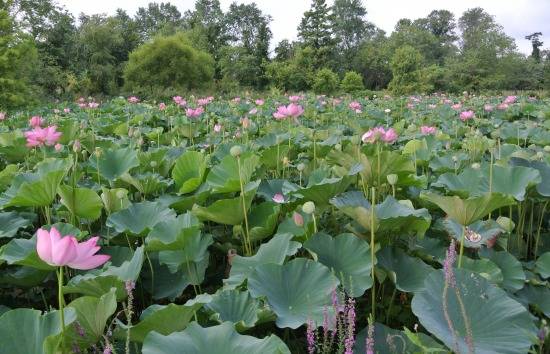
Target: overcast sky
{"x":519,"y":17}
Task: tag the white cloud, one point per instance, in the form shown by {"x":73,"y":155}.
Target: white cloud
{"x":518,"y":17}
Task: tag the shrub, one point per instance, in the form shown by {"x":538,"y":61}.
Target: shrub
{"x":168,"y":62}
{"x":352,"y":82}
{"x":326,"y":81}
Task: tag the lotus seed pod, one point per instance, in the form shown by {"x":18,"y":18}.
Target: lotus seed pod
{"x":285,"y":160}
{"x":301,"y":166}
{"x":236,"y":151}
{"x":507,"y":224}
{"x":338,"y":147}
{"x":392,"y":179}
{"x":120,"y":194}
{"x":455,"y":159}
{"x":308,"y":208}
{"x":97,"y":152}
{"x":153,"y":164}
{"x":476,"y":166}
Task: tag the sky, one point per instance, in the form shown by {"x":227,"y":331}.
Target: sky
{"x":518,"y":17}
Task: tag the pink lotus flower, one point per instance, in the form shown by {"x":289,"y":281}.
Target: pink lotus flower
{"x":236,"y":100}
{"x":93,"y":105}
{"x":510,"y":99}
{"x":410,"y":105}
{"x":502,"y":106}
{"x":245,"y":122}
{"x":217,"y":128}
{"x":278,"y":198}
{"x":488,"y":108}
{"x":456,"y":106}
{"x":133,"y":99}
{"x":36,"y":121}
{"x":432,"y":106}
{"x":67,"y":251}
{"x":294,"y":98}
{"x":292,"y":110}
{"x":178,"y":99}
{"x":427,"y":130}
{"x":253,"y":111}
{"x":2,"y":115}
{"x":82,"y":105}
{"x":194,"y":113}
{"x":466,"y":115}
{"x":162,"y":106}
{"x":56,"y":111}
{"x":259,"y":102}
{"x":372,"y":135}
{"x":42,"y":136}
{"x":81,"y":100}
{"x":203,"y":101}
{"x":390,"y":136}
{"x":58,"y":147}
{"x":298,"y":219}
{"x":67,"y":110}
{"x":355,"y":106}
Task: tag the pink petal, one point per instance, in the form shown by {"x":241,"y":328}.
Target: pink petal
{"x":90,"y":262}
{"x":44,"y":246}
{"x":64,"y":251}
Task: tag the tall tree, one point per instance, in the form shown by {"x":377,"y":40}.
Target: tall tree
{"x":163,"y":17}
{"x":315,"y":30}
{"x":536,"y":43}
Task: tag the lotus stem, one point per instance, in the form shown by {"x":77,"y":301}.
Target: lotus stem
{"x":61,"y":302}
{"x":461,"y":246}
{"x":247,"y":246}
{"x":541,"y":218}
{"x":373,"y":290}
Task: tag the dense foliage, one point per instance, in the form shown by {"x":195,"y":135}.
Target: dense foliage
{"x":62,"y":57}
{"x":276,"y":224}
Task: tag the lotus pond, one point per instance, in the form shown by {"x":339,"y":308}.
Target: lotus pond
{"x":296,"y":224}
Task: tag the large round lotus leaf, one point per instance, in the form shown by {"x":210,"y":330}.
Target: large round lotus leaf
{"x":82,"y":202}
{"x":113,"y":163}
{"x":114,"y":199}
{"x":512,"y":271}
{"x":542,"y":265}
{"x":147,"y":183}
{"x":354,"y":205}
{"x":393,"y":341}
{"x":497,"y":324}
{"x":33,"y":189}
{"x":323,"y":190}
{"x":263,"y":220}
{"x":193,"y":259}
{"x":173,"y":234}
{"x":485,"y":268}
{"x":467,"y":211}
{"x":508,"y":180}
{"x":235,"y":306}
{"x":268,"y":188}
{"x":407,"y":273}
{"x":189,"y":171}
{"x":543,"y":188}
{"x":27,"y":331}
{"x":161,"y":282}
{"x":21,"y":251}
{"x":164,"y":319}
{"x":221,"y":339}
{"x":347,"y":256}
{"x":10,"y":223}
{"x":138,"y":219}
{"x":97,"y":282}
{"x":224,"y":178}
{"x":228,"y":211}
{"x":297,"y":291}
{"x":23,"y":276}
{"x":400,"y":217}
{"x":475,"y":235}
{"x":275,"y":251}
{"x":92,"y":314}
{"x":271,"y":155}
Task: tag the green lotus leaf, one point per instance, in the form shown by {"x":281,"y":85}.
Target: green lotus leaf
{"x":275,"y":251}
{"x":224,"y":177}
{"x":323,"y":190}
{"x":113,"y":163}
{"x":543,"y":188}
{"x":268,"y":188}
{"x":512,"y":271}
{"x":82,"y":202}
{"x":476,"y":235}
{"x":33,"y":189}
{"x":297,"y":291}
{"x":272,"y":154}
{"x":161,"y":282}
{"x":228,"y":211}
{"x":537,"y":296}
{"x":173,"y":234}
{"x":221,"y":339}
{"x":138,"y":219}
{"x":24,"y":277}
{"x":92,"y":314}
{"x":263,"y":220}
{"x":163,"y":319}
{"x":235,"y":306}
{"x":467,"y":211}
{"x":23,"y":252}
{"x":495,"y":322}
{"x":400,"y":217}
{"x":347,"y":256}
{"x":189,"y":171}
{"x":485,"y":268}
{"x":114,"y":199}
{"x":147,"y":183}
{"x":44,"y":331}
{"x":10,"y":223}
{"x":192,"y":259}
{"x":542,"y":265}
{"x":406,"y":272}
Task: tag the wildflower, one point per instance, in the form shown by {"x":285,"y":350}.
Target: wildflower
{"x":350,"y":332}
{"x":36,"y":121}
{"x":427,"y":130}
{"x":278,"y":198}
{"x":369,"y":342}
{"x":310,"y":336}
{"x":466,"y":115}
{"x":448,"y":264}
{"x":67,"y":251}
{"x":42,"y":136}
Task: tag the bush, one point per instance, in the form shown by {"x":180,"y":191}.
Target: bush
{"x":352,"y":82}
{"x":326,"y":81}
{"x":168,"y":62}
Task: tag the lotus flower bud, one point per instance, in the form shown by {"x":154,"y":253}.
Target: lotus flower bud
{"x":120,"y":194}
{"x":308,"y":208}
{"x":76,"y":146}
{"x":507,"y":224}
{"x":298,"y":219}
{"x":97,"y":152}
{"x":153,"y":164}
{"x":476,"y":166}
{"x":338,"y":147}
{"x":392,"y":179}
{"x":285,"y":161}
{"x":236,"y":151}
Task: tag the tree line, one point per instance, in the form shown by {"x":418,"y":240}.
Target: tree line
{"x":45,"y":52}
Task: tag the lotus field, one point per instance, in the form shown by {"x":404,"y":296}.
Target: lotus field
{"x":282,"y":224}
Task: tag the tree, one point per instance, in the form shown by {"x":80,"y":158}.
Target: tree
{"x":352,"y":82}
{"x":163,"y":17}
{"x":536,"y":43}
{"x":315,"y":31}
{"x":408,"y":77}
{"x":17,"y":58}
{"x":373,"y":61}
{"x":326,"y":81}
{"x":284,"y":50}
{"x":168,"y":63}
